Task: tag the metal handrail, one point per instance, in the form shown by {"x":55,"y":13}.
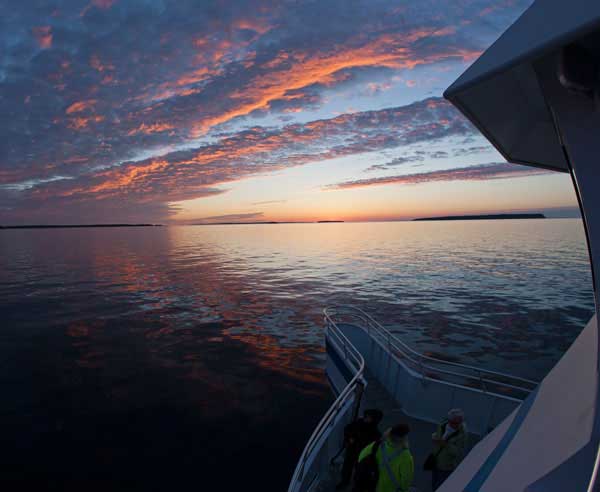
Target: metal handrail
{"x":480,"y":377}
{"x":351,"y":355}
{"x":356,"y":361}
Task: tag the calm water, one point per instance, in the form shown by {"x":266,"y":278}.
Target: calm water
{"x":166,"y":357}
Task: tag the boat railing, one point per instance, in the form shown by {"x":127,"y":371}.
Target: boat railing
{"x":353,"y":390}
{"x":426,"y":366}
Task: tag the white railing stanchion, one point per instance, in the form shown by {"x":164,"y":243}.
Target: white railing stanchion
{"x":482,"y":382}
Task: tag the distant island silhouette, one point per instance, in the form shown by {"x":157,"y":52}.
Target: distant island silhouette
{"x":485,"y":217}
{"x":74,"y":226}
{"x":238,"y":223}
{"x":267,"y":222}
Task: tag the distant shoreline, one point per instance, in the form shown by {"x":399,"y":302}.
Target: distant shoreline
{"x":267,"y":222}
{"x":423,"y":219}
{"x":485,"y":217}
{"x":76,"y":226}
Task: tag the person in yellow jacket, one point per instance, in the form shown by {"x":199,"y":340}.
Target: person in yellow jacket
{"x":450,"y":446}
{"x":395,"y":461}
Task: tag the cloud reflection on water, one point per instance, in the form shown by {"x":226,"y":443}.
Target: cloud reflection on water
{"x":167,"y":343}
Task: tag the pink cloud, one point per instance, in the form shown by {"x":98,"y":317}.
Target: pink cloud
{"x":43,"y":35}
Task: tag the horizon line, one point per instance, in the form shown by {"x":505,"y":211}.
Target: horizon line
{"x":175,"y":224}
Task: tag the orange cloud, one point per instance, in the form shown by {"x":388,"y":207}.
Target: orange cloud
{"x":213,"y":54}
{"x":43,"y":35}
{"x":222,"y":49}
{"x":153,"y":128}
{"x":107,"y":79}
{"x":79,"y":106}
{"x":180,"y":87}
{"x":121,"y":178}
{"x":386,"y":51}
{"x":81,"y":123}
{"x":194,"y":77}
{"x":96,"y":64}
{"x":282,"y":57}
{"x":193,"y":173}
{"x":260,"y":26}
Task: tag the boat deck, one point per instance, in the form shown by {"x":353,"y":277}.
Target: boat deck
{"x":400,"y":382}
{"x":376,"y":396}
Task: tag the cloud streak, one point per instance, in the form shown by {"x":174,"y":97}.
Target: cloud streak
{"x":480,"y":172}
{"x":199,"y":172}
{"x":246,"y":217}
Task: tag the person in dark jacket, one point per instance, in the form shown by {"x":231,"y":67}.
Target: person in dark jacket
{"x":357,"y":435}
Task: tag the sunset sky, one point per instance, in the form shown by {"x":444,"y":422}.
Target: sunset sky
{"x":179,"y":111}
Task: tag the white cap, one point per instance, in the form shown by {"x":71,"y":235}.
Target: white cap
{"x":456,"y":412}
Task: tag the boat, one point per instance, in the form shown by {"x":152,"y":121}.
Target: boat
{"x":535,"y":95}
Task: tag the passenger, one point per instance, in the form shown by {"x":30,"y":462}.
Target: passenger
{"x":450,"y":446}
{"x":393,"y":466}
{"x":357,"y":435}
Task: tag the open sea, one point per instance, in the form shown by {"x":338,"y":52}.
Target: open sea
{"x":193,"y":357}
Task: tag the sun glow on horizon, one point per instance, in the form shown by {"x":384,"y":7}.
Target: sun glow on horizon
{"x":552,"y":191}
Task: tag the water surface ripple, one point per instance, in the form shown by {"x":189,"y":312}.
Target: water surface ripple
{"x":147,"y":358}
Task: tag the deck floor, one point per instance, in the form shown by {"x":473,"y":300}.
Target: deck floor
{"x":376,"y":396}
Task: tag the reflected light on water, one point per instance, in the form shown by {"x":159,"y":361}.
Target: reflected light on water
{"x":143,"y":352}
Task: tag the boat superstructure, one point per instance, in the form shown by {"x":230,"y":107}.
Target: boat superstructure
{"x":535,"y":95}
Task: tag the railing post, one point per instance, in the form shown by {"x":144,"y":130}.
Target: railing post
{"x":389,"y":353}
{"x":301,"y":472}
{"x":486,"y":429}
{"x":371,"y":355}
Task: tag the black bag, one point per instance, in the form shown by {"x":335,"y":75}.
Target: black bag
{"x":351,"y":432}
{"x":366,"y":472}
{"x":429,"y":464}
